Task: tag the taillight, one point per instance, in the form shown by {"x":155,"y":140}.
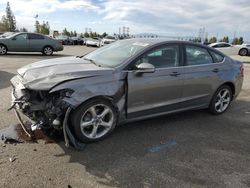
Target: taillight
{"x":242,"y":70}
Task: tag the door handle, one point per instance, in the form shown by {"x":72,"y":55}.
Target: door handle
{"x":174,"y":74}
{"x":216,"y":70}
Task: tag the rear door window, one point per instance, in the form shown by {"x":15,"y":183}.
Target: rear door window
{"x":35,"y":37}
{"x":197,"y":55}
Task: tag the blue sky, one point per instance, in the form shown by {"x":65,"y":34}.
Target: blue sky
{"x":165,"y":17}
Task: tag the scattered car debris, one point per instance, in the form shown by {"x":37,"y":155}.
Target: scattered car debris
{"x":12,"y":159}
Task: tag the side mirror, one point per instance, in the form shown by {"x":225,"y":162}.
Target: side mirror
{"x":145,"y":68}
{"x":14,"y":38}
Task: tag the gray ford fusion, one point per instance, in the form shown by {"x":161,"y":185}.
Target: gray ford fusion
{"x":125,"y":81}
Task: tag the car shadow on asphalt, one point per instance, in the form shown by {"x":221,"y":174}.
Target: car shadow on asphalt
{"x":205,"y":146}
{"x":5,"y":79}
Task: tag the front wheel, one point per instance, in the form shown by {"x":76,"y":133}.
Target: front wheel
{"x":221,"y":100}
{"x":48,"y":50}
{"x":94,"y":120}
{"x":3,"y":49}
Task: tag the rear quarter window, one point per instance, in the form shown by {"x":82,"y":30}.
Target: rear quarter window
{"x":216,"y":57}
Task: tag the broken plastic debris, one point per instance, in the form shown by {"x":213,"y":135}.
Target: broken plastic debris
{"x":12,"y":159}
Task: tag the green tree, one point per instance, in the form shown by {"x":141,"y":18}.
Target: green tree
{"x":44,"y":28}
{"x":94,"y":34}
{"x":86,"y":34}
{"x":104,"y":35}
{"x":4,"y":24}
{"x":11,"y":20}
{"x":225,"y":39}
{"x":23,"y":29}
{"x":37,"y":27}
{"x":65,"y":32}
{"x":237,"y":41}
{"x":213,"y":40}
{"x":91,"y":34}
{"x":241,"y":41}
{"x":75,"y":34}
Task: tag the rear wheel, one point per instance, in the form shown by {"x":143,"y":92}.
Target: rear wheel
{"x":3,"y":49}
{"x":94,"y":120}
{"x":221,"y":100}
{"x":243,"y":52}
{"x":48,"y":50}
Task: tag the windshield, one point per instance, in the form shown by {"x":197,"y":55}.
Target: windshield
{"x":116,"y":53}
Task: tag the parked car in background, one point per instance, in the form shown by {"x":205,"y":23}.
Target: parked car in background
{"x":230,"y":49}
{"x":64,"y":40}
{"x":108,"y":40}
{"x":77,"y":40}
{"x":29,"y":42}
{"x":6,"y":34}
{"x":125,"y":81}
{"x":93,"y":42}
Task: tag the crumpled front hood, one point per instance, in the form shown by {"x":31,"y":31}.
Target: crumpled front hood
{"x":43,"y":75}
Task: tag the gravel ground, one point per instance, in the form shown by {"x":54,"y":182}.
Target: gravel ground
{"x":190,"y":149}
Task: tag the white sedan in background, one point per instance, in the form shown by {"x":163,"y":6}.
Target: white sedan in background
{"x":93,"y":42}
{"x":229,"y":49}
{"x":108,"y":40}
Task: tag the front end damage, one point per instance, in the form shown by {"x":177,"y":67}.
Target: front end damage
{"x":45,"y":110}
{"x":50,"y":108}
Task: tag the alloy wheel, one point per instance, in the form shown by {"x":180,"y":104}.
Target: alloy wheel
{"x":223,"y":99}
{"x":97,"y":121}
{"x":3,"y":50}
{"x":47,"y":51}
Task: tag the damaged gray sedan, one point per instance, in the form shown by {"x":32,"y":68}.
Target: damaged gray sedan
{"x":125,"y":81}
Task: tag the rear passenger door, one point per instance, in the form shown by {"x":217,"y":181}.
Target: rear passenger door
{"x":201,"y":75}
{"x":36,"y":42}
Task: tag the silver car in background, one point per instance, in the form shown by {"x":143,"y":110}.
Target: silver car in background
{"x":29,"y":42}
{"x":125,"y":81}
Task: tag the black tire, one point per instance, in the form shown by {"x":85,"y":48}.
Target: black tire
{"x":48,"y":50}
{"x":243,"y":52}
{"x":215,"y":100}
{"x":3,"y":49}
{"x":76,"y":118}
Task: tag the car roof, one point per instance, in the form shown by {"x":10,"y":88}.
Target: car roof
{"x":154,"y":41}
{"x":218,"y":43}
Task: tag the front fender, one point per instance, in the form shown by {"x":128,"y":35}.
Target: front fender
{"x":87,"y":88}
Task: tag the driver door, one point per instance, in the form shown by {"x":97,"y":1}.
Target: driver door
{"x":19,"y":43}
{"x":159,"y":91}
